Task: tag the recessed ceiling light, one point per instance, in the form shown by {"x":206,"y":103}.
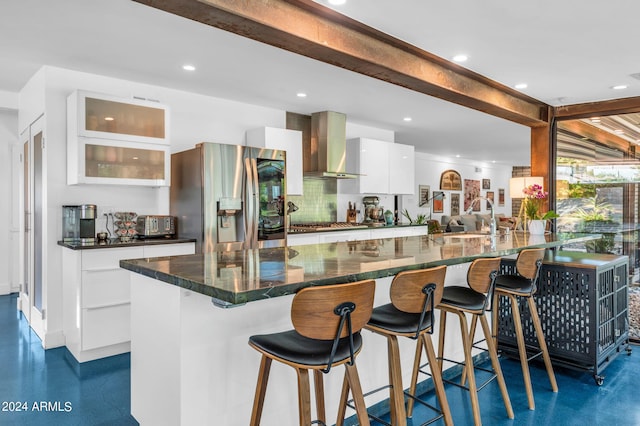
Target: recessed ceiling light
{"x":595,"y":119}
{"x":457,"y":155}
{"x":188,"y":67}
{"x":521,"y":86}
{"x":407,"y":119}
{"x":108,"y":119}
{"x":618,"y":132}
{"x":619,"y":87}
{"x":493,"y":161}
{"x":460,"y":58}
{"x":337,"y":2}
{"x":301,"y":95}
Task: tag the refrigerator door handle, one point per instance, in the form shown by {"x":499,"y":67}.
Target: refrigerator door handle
{"x":249,"y":205}
{"x":255,"y":205}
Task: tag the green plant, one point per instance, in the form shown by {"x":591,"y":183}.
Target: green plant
{"x":534,"y":202}
{"x":421,"y":219}
{"x":594,"y":211}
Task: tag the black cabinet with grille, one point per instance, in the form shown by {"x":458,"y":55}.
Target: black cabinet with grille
{"x":582,"y":301}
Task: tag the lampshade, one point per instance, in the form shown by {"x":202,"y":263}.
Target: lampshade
{"x":517,"y":184}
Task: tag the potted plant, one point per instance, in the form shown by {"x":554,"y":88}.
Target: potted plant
{"x":595,"y":217}
{"x":533,"y":205}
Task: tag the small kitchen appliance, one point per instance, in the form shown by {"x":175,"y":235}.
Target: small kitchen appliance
{"x":373,"y":213}
{"x":151,"y":226}
{"x":79,"y":224}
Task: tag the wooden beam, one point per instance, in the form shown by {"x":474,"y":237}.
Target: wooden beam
{"x":603,"y":137}
{"x":597,"y":109}
{"x":310,"y":29}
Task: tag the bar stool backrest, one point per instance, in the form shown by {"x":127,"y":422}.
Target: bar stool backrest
{"x":480,"y":277}
{"x":406,"y":288}
{"x":313,"y":309}
{"x":527,"y":262}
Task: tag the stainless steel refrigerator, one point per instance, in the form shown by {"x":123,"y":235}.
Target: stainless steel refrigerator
{"x":229,"y":197}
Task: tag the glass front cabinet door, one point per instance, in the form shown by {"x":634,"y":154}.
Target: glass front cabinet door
{"x":117,"y":141}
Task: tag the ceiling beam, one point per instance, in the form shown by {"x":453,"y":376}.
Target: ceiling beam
{"x":310,"y":29}
{"x":597,"y":109}
{"x":582,"y":129}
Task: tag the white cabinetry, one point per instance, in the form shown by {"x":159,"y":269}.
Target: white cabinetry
{"x":302,"y":239}
{"x":286,"y":140}
{"x":96,"y":297}
{"x":112,"y":140}
{"x":370,"y":159}
{"x":402,"y":167}
{"x":385,"y":168}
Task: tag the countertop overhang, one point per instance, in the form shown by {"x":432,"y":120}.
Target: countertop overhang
{"x":237,"y":277}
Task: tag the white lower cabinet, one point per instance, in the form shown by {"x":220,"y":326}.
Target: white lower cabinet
{"x":97,"y":297}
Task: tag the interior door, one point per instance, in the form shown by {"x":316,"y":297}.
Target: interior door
{"x":32,"y":291}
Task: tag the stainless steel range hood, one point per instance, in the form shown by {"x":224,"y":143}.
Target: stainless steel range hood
{"x":326,"y":157}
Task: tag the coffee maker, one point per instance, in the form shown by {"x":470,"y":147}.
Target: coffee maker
{"x":79,"y":224}
{"x":373,"y":213}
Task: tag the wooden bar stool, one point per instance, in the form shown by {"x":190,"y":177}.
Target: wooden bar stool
{"x":410,"y":314}
{"x":474,"y":300}
{"x":327,"y":321}
{"x":523,"y":284}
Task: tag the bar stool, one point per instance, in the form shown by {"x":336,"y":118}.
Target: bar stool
{"x":410,"y":314}
{"x":327,"y":321}
{"x":523,"y":284}
{"x":475,"y":300}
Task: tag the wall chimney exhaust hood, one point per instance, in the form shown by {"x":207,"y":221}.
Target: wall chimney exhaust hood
{"x":327,"y":154}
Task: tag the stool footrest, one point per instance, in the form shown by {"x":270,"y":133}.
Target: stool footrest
{"x":475,"y":367}
{"x":439,"y":416}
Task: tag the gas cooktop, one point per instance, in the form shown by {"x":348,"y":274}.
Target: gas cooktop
{"x":323,"y":226}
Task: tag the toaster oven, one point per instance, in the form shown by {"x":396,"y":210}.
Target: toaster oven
{"x":155,"y":226}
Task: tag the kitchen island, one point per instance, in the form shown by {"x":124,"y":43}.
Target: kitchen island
{"x":190,"y":361}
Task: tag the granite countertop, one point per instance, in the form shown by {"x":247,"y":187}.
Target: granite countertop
{"x":237,"y":277}
{"x":358,"y":227}
{"x":116,"y":243}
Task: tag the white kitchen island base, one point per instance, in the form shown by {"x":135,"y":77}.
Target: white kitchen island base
{"x":191,"y":363}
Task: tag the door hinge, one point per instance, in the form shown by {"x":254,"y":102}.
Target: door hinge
{"x":43,"y":142}
{"x":44,"y":314}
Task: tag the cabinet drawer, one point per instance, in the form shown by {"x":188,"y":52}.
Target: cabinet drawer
{"x":108,"y":258}
{"x":169,"y":250}
{"x":103,"y":288}
{"x":106,"y":326}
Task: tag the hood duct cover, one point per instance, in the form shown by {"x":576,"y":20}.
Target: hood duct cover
{"x":327,"y":155}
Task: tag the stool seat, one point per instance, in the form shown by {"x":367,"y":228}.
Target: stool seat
{"x":390,"y":318}
{"x":293,"y":347}
{"x":326,"y":332}
{"x":516,"y":284}
{"x":463,"y":298}
{"x":512,"y":290}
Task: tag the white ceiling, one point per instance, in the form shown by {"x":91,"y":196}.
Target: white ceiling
{"x":568,"y":52}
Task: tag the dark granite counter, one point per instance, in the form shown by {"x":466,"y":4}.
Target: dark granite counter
{"x":238,"y":277}
{"x":116,"y":243}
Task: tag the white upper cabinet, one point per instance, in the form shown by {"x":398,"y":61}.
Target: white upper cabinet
{"x":370,"y":159}
{"x":117,"y":141}
{"x":286,"y":140}
{"x":385,"y":168}
{"x":401,"y":169}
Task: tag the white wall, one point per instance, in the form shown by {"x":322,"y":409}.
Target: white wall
{"x":9,"y":232}
{"x":430,"y":167}
{"x":194,"y":118}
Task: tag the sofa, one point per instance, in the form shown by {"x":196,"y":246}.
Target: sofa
{"x":474,"y":222}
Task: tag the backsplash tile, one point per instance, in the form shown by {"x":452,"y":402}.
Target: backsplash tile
{"x":319,"y":202}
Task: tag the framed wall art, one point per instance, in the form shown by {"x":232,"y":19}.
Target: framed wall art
{"x":501,"y":196}
{"x":450,"y":180}
{"x":471,"y":192}
{"x":489,"y":197}
{"x":425,"y":194}
{"x":438,"y":202}
{"x":455,"y":204}
{"x":486,"y":183}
